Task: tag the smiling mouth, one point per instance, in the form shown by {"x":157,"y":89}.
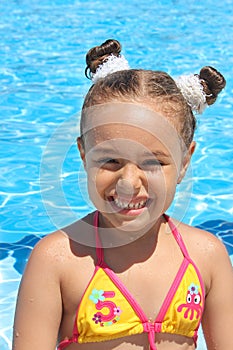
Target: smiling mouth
{"x":126,"y":205}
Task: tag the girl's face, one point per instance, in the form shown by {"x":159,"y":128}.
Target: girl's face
{"x":133,"y":170}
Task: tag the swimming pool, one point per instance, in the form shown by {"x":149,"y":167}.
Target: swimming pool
{"x":43,"y":47}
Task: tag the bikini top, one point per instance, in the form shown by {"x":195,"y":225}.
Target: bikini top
{"x":108,"y":311}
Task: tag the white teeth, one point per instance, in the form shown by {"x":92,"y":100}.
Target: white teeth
{"x":126,"y":205}
{"x":120,"y":204}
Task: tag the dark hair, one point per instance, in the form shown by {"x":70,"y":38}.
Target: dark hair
{"x":213,"y":82}
{"x":155,"y":87}
{"x":98,"y":54}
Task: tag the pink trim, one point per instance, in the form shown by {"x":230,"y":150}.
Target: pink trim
{"x":195,"y":337}
{"x":75,"y":336}
{"x":151,"y":337}
{"x":177,"y":236}
{"x":200,"y":279}
{"x":203,"y":294}
{"x":75,"y":331}
{"x":63,"y":344}
{"x":172,"y":291}
{"x":183,"y":248}
{"x":152,"y":328}
{"x":99,"y":249}
{"x":126,"y":293}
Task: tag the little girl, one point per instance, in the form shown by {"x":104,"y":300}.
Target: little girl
{"x":128,"y":276}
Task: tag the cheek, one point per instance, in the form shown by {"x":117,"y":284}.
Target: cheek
{"x":98,"y":181}
{"x":95,"y":187}
{"x":163,"y":183}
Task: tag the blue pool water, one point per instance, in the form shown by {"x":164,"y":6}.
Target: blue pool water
{"x":43,"y":47}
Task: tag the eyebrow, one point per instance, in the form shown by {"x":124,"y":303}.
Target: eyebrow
{"x":101,"y":150}
{"x":145,"y":154}
{"x":156,"y":154}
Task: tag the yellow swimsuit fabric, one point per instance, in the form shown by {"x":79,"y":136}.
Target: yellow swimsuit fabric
{"x":108,"y":311}
{"x":105,"y":312}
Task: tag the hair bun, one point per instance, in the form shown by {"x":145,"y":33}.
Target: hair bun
{"x":98,"y":54}
{"x":213,"y":82}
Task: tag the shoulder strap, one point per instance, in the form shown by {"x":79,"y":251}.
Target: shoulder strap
{"x":177,"y":236}
{"x":99,"y":249}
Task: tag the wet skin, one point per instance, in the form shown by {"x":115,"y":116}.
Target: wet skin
{"x":132,"y":176}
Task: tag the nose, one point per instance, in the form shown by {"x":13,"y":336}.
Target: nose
{"x":130,"y":180}
{"x":124,"y":187}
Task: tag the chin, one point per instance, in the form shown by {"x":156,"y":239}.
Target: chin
{"x":140,"y":223}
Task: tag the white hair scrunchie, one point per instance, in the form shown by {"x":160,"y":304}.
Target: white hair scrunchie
{"x":189,"y":85}
{"x":110,"y":65}
{"x":193,"y":92}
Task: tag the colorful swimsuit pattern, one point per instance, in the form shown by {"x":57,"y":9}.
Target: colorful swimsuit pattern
{"x":108,"y":311}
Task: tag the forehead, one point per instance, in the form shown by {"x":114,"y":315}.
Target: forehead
{"x":127,"y":121}
{"x":126,"y":142}
{"x":116,"y":134}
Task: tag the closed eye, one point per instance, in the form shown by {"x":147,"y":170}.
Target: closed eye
{"x":108,"y":161}
{"x":151,"y":163}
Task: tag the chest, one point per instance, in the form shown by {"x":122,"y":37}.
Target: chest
{"x":147,"y":283}
{"x":153,"y":291}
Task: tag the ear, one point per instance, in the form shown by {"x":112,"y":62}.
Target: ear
{"x":186,"y":161}
{"x":81,"y":150}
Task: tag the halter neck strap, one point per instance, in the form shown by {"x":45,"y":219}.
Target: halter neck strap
{"x":99,"y":249}
{"x":177,"y":236}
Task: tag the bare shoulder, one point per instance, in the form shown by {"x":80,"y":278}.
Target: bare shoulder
{"x":47,"y":253}
{"x":206,"y":250}
{"x":51,"y":244}
{"x":200,"y":240}
{"x":65,"y":243}
{"x":58,"y":247}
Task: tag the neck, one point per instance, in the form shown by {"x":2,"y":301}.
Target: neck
{"x":131,"y":252}
{"x":113,"y":237}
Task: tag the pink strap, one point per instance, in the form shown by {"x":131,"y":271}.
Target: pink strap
{"x":63,"y":344}
{"x":99,"y":249}
{"x":175,"y":232}
{"x":177,"y":236}
{"x":151,"y":328}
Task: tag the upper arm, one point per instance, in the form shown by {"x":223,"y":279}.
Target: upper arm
{"x":218,"y":315}
{"x":39,"y":304}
